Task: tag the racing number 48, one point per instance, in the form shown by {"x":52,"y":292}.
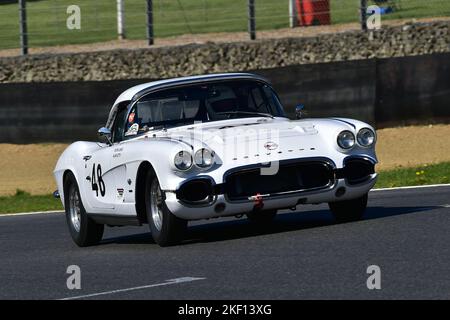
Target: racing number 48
{"x":97,"y":182}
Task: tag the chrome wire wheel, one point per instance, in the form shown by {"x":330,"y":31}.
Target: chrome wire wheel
{"x":156,"y":203}
{"x":74,"y":208}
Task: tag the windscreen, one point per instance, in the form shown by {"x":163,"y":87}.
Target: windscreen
{"x":203,"y":103}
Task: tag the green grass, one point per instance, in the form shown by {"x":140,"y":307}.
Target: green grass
{"x":24,"y":202}
{"x":423,"y":175}
{"x":47,"y":18}
{"x":426,"y":174}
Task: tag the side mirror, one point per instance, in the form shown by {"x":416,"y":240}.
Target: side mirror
{"x":299,"y":111}
{"x":105,"y":133}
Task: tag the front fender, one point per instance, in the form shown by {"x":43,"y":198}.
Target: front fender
{"x":160,"y":154}
{"x":72,"y":160}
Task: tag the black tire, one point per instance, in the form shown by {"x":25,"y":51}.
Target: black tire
{"x":169,"y":230}
{"x":349,"y":210}
{"x":85,"y":232}
{"x":264,"y":217}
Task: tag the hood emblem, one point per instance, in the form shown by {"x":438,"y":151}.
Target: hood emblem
{"x":269,"y":145}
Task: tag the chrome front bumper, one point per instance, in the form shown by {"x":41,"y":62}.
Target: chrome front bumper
{"x":219,"y":206}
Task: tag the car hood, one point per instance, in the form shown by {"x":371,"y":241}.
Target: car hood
{"x":261,"y":139}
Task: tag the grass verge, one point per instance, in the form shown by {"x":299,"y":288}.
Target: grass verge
{"x":422,"y":175}
{"x":24,"y":202}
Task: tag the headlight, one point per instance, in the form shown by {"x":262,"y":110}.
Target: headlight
{"x":183,"y":160}
{"x":204,"y":158}
{"x":346,"y":139}
{"x":365,"y":137}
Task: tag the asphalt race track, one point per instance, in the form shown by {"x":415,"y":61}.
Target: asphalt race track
{"x":303,"y":255}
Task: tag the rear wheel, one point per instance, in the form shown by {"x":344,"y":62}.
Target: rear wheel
{"x":263,"y":217}
{"x":349,"y":210}
{"x":166,"y":228}
{"x":84,"y":230}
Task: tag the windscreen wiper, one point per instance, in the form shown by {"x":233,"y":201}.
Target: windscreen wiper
{"x":247,"y":112}
{"x":146,"y":128}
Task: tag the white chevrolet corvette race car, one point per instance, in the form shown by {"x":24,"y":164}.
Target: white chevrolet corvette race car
{"x":210,"y":146}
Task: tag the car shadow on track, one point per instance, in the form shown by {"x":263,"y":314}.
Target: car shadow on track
{"x":284,"y":223}
{"x":242,"y":228}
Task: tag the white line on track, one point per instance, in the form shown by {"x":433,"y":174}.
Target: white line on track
{"x":28,"y":213}
{"x":373,"y":190}
{"x":412,"y":187}
{"x":166,"y":283}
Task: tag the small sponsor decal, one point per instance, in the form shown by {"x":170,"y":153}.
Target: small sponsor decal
{"x":117,"y":152}
{"x":120,"y":193}
{"x":133,"y":130}
{"x":269,"y":145}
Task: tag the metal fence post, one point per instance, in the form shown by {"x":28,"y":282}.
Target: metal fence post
{"x":293,"y":20}
{"x":150,"y":35}
{"x":363,"y":14}
{"x":251,"y":19}
{"x":120,"y":20}
{"x":23,"y":27}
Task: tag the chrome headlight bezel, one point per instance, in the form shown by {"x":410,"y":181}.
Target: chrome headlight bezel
{"x":359,"y":137}
{"x":349,"y":137}
{"x":204,"y":158}
{"x":183,"y":160}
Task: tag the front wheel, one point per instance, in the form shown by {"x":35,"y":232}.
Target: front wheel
{"x":166,"y":228}
{"x":84,"y":231}
{"x":349,"y":210}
